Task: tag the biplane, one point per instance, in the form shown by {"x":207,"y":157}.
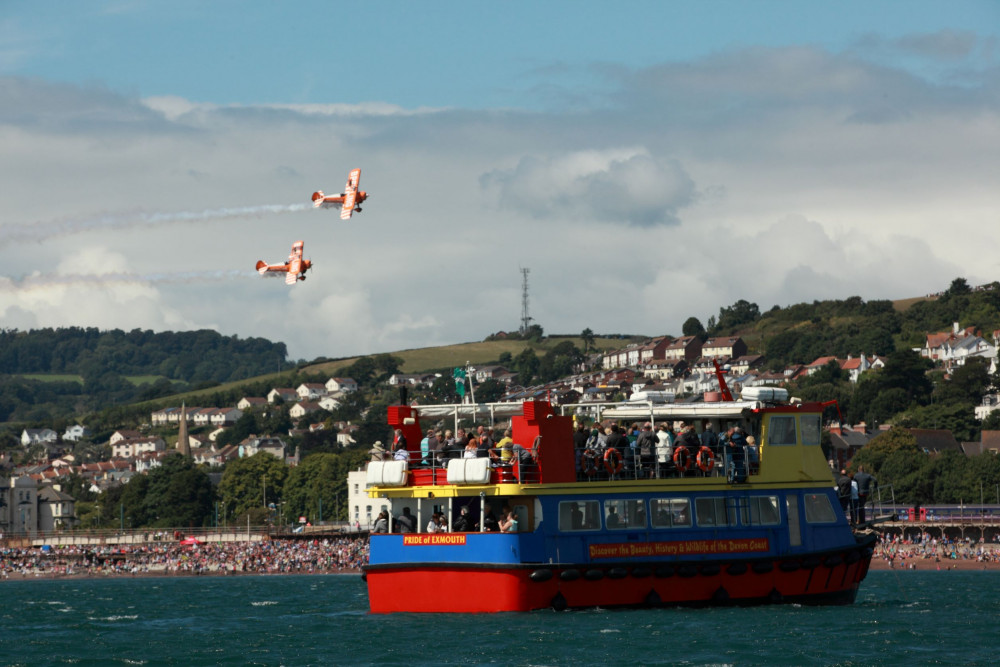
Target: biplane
{"x":294,"y":269}
{"x":349,"y":200}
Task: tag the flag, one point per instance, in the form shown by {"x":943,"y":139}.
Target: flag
{"x":460,"y":382}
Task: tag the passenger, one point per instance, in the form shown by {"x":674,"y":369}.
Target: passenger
{"x":844,"y":493}
{"x":616,"y":439}
{"x":464,"y":522}
{"x":509,"y":523}
{"x":433,"y":526}
{"x":855,"y":496}
{"x":576,"y":517}
{"x":710,"y":439}
{"x":398,"y":439}
{"x":753,"y":455}
{"x":406,"y":522}
{"x":613,"y":520}
{"x":664,"y":449}
{"x":866,"y":484}
{"x":471,"y":449}
{"x":461,"y":440}
{"x":401,"y":453}
{"x":447,"y":449}
{"x":378,"y":452}
{"x":736,"y":455}
{"x":506,"y":453}
{"x":428,"y":447}
{"x":490,"y":524}
{"x":646,"y":446}
{"x":580,"y":437}
{"x":442,"y":524}
{"x":483,"y":432}
{"x":381,"y":523}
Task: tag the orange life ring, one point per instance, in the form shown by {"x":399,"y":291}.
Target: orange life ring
{"x":616,"y":467}
{"x":682,"y":458}
{"x":706,"y":459}
{"x":589,"y":463}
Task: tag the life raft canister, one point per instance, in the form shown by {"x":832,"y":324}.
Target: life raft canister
{"x":706,"y":459}
{"x":682,"y":458}
{"x":612,"y":461}
{"x":589,"y":463}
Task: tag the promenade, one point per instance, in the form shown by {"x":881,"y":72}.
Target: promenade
{"x":927,"y":552}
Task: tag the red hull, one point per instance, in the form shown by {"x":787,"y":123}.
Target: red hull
{"x":454,"y":588}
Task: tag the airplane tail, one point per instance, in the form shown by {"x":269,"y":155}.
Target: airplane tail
{"x":261,"y":267}
{"x":318,"y":198}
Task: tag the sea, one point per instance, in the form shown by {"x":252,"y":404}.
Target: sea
{"x":899,"y":618}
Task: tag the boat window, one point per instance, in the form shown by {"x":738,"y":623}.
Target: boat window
{"x":763,"y":511}
{"x":670,"y":512}
{"x":781,"y":430}
{"x":810,"y":425}
{"x":579,"y":515}
{"x":794,"y":530}
{"x":713,"y":512}
{"x":819,"y":509}
{"x":624,"y":514}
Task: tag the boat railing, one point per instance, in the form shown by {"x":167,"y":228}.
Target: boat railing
{"x":603,"y":464}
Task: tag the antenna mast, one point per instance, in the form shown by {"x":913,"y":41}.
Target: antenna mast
{"x":525,"y":318}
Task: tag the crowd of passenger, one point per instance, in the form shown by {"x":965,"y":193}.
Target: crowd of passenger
{"x":603,"y":450}
{"x":909,"y":553}
{"x":316,"y":556}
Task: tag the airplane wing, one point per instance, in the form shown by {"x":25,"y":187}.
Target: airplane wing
{"x":293,"y":274}
{"x":264,"y":269}
{"x":350,"y":194}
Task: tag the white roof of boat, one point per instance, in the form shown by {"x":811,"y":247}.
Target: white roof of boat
{"x":679,"y":410}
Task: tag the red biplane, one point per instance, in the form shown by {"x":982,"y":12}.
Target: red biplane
{"x":349,"y":201}
{"x":294,"y":269}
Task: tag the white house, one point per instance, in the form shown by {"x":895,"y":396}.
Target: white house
{"x":123,"y":449}
{"x":56,"y":510}
{"x":333,"y":385}
{"x":300,"y":410}
{"x":361,"y":508}
{"x":254,"y":444}
{"x":223,"y":416}
{"x":33,"y":436}
{"x":284,"y":394}
{"x":310,"y":391}
{"x":329,"y":403}
{"x":251,"y":402}
{"x":76,"y":432}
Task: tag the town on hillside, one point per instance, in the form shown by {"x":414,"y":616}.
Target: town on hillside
{"x":34,"y":497}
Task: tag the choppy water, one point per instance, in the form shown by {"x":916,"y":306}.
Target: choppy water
{"x":911,"y":618}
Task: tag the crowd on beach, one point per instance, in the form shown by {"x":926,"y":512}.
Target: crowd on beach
{"x":908,"y":553}
{"x":327,"y":555}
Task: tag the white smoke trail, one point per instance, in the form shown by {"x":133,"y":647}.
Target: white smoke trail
{"x":40,"y":231}
{"x":43,"y":281}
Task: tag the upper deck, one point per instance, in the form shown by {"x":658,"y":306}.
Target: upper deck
{"x":787,"y":434}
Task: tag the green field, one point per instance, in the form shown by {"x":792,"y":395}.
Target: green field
{"x":137,"y":380}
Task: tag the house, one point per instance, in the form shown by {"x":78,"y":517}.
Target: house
{"x":225,"y":416}
{"x":19,"y":514}
{"x":310,"y":391}
{"x":329,"y":403}
{"x":819,"y":363}
{"x":687,"y":348}
{"x":935,"y":441}
{"x":123,"y":434}
{"x":845,"y":442}
{"x":123,"y":449}
{"x":938,"y":345}
{"x":76,"y":433}
{"x":989,"y":403}
{"x":361,"y":508}
{"x":724,"y":347}
{"x":253,"y":445}
{"x":203,"y":416}
{"x":664,"y":369}
{"x":653,"y":349}
{"x":300,"y":410}
{"x":745,"y":363}
{"x":397,"y":379}
{"x":252,"y":403}
{"x":333,"y":385}
{"x":35,"y":436}
{"x":282,"y":394}
{"x":161,"y":417}
{"x":485,"y":373}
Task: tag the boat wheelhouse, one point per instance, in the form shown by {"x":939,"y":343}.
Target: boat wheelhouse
{"x":702,"y":530}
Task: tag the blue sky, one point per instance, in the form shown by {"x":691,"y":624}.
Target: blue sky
{"x":470,"y":55}
{"x":649,"y":161}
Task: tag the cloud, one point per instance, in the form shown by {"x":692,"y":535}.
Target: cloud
{"x":619,"y":186}
{"x":772,"y":175}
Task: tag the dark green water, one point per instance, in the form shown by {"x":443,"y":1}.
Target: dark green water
{"x":908,"y":618}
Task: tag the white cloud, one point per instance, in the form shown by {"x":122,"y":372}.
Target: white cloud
{"x":759,"y":174}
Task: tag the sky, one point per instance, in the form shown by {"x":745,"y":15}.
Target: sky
{"x":646,"y":161}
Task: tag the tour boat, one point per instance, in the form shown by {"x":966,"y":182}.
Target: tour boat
{"x":684,"y":532}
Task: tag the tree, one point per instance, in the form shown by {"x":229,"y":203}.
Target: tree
{"x":587,"y":336}
{"x":692,"y":327}
{"x":526,"y":364}
{"x":252,"y":482}
{"x":178,"y":494}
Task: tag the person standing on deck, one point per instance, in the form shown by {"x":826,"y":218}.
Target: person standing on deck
{"x":664,"y":448}
{"x":844,"y":492}
{"x":866,"y":484}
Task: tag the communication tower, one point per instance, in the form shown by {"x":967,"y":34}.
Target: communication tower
{"x":525,"y":318}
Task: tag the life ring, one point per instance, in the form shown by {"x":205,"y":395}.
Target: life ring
{"x":706,"y":459}
{"x":682,"y":458}
{"x":612,"y":461}
{"x":589,"y":462}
